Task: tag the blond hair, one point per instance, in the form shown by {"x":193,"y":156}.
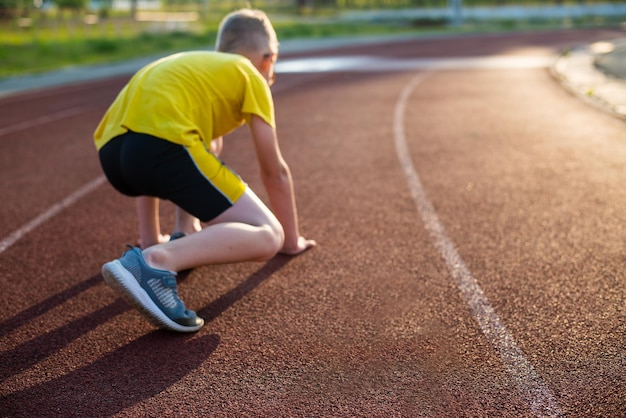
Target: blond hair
{"x":246,"y":30}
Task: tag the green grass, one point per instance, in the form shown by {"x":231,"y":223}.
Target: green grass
{"x":46,"y":52}
{"x":49,"y":51}
{"x":50,"y":46}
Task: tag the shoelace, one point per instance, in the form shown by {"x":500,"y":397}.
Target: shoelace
{"x":165,"y":290}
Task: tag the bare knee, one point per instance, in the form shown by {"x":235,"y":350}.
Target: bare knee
{"x":273,"y":238}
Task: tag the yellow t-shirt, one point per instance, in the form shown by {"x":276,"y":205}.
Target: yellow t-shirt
{"x":189,"y":97}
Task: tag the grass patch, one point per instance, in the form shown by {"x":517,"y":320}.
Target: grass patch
{"x":295,"y":30}
{"x":102,"y":46}
{"x":45,"y":53}
{"x":52,"y":45}
{"x":40,"y":55}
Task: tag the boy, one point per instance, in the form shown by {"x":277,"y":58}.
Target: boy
{"x":155,"y":142}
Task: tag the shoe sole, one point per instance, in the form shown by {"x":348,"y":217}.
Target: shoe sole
{"x":125,"y":284}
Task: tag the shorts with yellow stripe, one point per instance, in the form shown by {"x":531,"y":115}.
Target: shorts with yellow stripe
{"x":191,"y":177}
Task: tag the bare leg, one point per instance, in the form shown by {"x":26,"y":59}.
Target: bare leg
{"x":185,"y":222}
{"x":248,"y":231}
{"x":149,"y":224}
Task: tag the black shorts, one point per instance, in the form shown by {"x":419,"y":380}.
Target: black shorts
{"x":192,"y":178}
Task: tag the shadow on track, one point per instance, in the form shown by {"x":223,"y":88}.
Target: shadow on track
{"x":122,"y":378}
{"x":46,"y":305}
{"x":32,"y":352}
{"x":215,"y":308}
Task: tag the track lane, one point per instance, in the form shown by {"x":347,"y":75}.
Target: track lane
{"x":546,"y":196}
{"x":369,"y":323}
{"x":348,"y":356}
{"x":521,"y":371}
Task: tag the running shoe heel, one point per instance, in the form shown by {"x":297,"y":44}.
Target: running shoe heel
{"x":153,"y":292}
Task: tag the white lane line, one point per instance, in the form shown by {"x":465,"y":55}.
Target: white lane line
{"x":372,"y":63}
{"x":529,"y":384}
{"x":41,"y":120}
{"x":52,"y":211}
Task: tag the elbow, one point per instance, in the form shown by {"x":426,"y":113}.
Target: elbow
{"x":278,"y":173}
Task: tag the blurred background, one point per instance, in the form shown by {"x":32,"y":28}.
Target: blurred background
{"x":43,"y":35}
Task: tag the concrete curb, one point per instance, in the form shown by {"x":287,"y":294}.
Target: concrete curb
{"x":578,"y":72}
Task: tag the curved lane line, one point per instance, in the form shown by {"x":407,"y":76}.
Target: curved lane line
{"x":52,"y":211}
{"x":360,"y":63}
{"x":530,"y":385}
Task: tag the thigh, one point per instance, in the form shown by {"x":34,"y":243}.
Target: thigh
{"x":251,"y":210}
{"x":202,"y":184}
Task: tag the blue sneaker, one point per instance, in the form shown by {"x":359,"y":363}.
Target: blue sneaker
{"x":151,"y":290}
{"x":177,"y":235}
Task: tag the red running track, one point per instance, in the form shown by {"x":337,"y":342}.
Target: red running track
{"x":515,"y":307}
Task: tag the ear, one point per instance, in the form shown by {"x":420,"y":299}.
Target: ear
{"x":266,"y":62}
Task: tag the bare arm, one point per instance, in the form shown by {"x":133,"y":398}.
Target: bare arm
{"x":276,"y":177}
{"x":216,"y":145}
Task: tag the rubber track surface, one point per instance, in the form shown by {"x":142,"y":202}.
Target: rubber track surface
{"x":527,"y":181}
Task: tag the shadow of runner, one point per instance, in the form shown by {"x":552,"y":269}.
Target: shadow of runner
{"x":31,"y":352}
{"x":11,"y":324}
{"x":122,"y":378}
{"x":48,"y":304}
{"x":215,"y":308}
